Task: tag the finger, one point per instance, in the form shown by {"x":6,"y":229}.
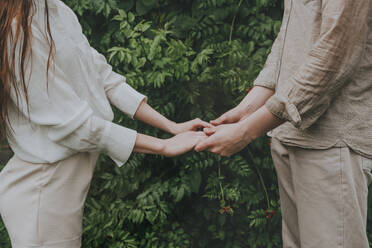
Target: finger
{"x":201,"y":134}
{"x":220,"y":120}
{"x":214,"y":150}
{"x":199,"y":123}
{"x":210,"y":131}
{"x":200,"y":140}
{"x":225,"y":154}
{"x":202,"y":146}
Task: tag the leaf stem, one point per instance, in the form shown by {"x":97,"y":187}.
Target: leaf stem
{"x":220,"y":183}
{"x":233,"y":21}
{"x":261,"y":180}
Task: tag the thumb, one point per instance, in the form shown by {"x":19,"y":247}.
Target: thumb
{"x":220,"y":120}
{"x":197,"y":123}
{"x":202,"y":146}
{"x":209,"y":131}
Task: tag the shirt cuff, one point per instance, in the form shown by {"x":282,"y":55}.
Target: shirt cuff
{"x":268,"y":85}
{"x":126,"y":99}
{"x":283,"y":109}
{"x":118,"y":142}
{"x":265,"y":79}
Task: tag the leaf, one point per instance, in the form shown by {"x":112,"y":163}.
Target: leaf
{"x":142,"y":8}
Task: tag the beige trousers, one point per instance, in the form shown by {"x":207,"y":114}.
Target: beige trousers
{"x":323,"y":195}
{"x":42,"y":204}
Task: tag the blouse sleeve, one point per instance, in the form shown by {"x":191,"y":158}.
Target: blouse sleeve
{"x":69,"y":119}
{"x":120,"y":94}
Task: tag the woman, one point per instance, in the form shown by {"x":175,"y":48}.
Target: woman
{"x":55,"y":110}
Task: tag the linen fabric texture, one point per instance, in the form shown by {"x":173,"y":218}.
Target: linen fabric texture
{"x":42,"y":204}
{"x":320,"y":68}
{"x":70,"y":111}
{"x":323,"y":196}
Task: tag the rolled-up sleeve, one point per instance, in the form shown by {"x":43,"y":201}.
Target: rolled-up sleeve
{"x":269,"y":74}
{"x":69,"y":120}
{"x":119,"y":93}
{"x":328,"y":66}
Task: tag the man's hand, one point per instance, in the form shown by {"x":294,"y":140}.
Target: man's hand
{"x":231,"y":116}
{"x":225,"y":140}
{"x":228,"y":139}
{"x":252,"y":102}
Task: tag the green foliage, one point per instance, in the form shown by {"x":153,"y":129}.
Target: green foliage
{"x":192,"y":58}
{"x":185,"y":56}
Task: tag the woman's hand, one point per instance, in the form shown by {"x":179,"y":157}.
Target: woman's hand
{"x":150,"y":116}
{"x":182,"y":143}
{"x":193,"y":125}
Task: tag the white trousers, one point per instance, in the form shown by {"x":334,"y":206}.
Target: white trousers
{"x":42,"y":204}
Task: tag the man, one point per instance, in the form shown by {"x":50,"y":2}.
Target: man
{"x":315,"y":93}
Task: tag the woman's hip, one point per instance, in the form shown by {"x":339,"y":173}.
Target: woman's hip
{"x":43,"y":203}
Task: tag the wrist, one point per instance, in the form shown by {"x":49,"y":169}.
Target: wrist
{"x":172,"y":127}
{"x":249,"y":133}
{"x":244,"y":110}
{"x":259,"y":123}
{"x":149,"y":145}
{"x":162,"y":147}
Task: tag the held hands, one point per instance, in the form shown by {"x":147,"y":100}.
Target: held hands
{"x":229,"y":134}
{"x":225,"y":140}
{"x":228,"y":139}
{"x":193,"y":125}
{"x":186,"y":137}
{"x":225,"y":136}
{"x":182,"y":143}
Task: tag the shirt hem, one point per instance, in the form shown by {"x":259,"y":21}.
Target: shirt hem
{"x":69,"y":242}
{"x":338,"y":143}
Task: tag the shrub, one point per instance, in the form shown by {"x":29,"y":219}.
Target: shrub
{"x":192,"y":58}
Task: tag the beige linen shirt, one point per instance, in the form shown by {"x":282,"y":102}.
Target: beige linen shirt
{"x":320,"y":68}
{"x":74,"y":114}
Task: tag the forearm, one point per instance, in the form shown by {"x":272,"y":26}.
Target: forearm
{"x":149,"y":145}
{"x":259,"y":123}
{"x":255,"y":99}
{"x":148,"y":115}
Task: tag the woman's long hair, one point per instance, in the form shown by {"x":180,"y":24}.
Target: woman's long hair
{"x":15,"y":47}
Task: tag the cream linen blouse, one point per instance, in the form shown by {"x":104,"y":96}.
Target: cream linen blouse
{"x":74,"y":114}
